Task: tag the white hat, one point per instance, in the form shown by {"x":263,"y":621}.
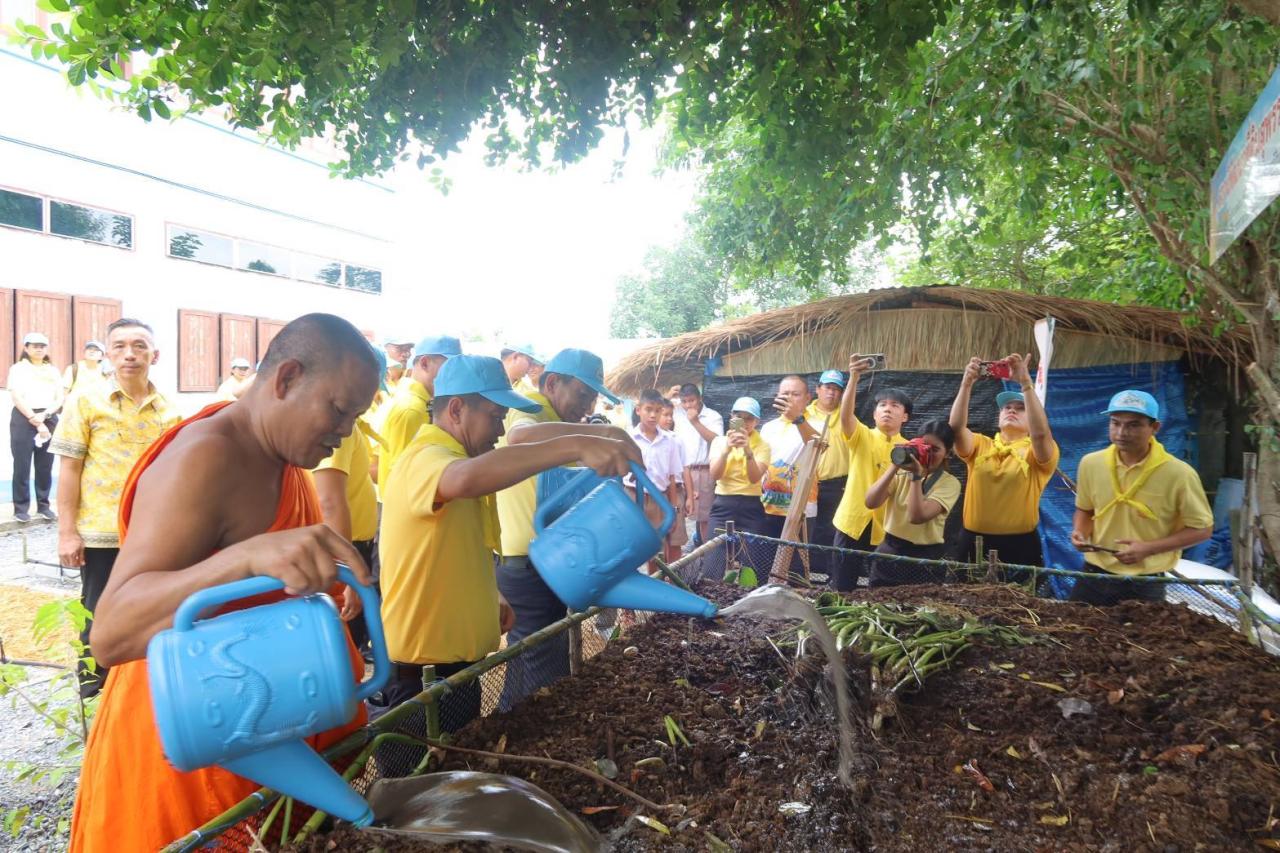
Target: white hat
{"x":35,"y":338}
{"x":240,"y":362}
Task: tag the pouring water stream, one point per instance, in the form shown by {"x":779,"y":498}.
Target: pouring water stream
{"x":780,"y":602}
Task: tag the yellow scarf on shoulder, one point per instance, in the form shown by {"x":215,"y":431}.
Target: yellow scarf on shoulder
{"x":1157,"y":457}
{"x":434,"y":435}
{"x":1000,"y":449}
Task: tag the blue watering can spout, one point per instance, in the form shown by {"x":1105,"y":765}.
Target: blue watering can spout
{"x":296,"y":770}
{"x":588,"y":548}
{"x":641,"y":592}
{"x":243,"y":689}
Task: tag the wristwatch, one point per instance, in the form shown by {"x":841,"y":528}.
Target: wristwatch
{"x":915,"y":478}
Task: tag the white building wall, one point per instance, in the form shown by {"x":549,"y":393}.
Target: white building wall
{"x":70,"y":145}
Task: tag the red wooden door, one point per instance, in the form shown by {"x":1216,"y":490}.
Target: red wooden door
{"x":198,"y":351}
{"x":91,"y":315}
{"x":239,"y":340}
{"x":6,"y":333}
{"x":267,"y":331}
{"x":49,"y":314}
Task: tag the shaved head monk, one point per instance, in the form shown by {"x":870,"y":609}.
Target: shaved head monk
{"x":222,"y":496}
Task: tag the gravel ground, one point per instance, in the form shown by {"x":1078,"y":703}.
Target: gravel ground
{"x":28,"y":737}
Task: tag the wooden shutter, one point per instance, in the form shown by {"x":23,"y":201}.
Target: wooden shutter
{"x":91,"y":315}
{"x":198,"y":351}
{"x":267,"y":331}
{"x":6,"y":334}
{"x":239,"y":340}
{"x":48,"y":313}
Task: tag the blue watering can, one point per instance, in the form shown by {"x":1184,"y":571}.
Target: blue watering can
{"x":242,"y":689}
{"x":590,"y":553}
{"x":579,"y":484}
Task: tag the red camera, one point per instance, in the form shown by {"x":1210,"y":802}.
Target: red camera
{"x":917,"y":449}
{"x":995,"y":370}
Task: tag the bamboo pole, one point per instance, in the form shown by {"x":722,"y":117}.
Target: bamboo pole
{"x":993,"y":567}
{"x":575,"y":648}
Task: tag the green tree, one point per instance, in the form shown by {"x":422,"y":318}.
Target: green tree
{"x":681,"y":289}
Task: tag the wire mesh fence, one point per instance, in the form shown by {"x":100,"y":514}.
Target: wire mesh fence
{"x":392,"y":746}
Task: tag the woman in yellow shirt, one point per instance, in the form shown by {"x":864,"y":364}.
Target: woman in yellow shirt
{"x":35,"y":386}
{"x":918,"y":494}
{"x":738,"y":461}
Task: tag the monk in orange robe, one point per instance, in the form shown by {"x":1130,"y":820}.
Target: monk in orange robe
{"x":220,"y":497}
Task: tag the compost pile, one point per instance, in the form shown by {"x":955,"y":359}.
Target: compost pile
{"x":1138,"y":727}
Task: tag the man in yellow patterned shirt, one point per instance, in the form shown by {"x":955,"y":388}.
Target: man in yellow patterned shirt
{"x":102,"y":433}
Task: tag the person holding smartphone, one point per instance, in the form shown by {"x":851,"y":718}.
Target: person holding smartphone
{"x":739,"y":459}
{"x":917,"y":493}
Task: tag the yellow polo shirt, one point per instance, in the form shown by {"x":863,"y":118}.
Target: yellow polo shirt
{"x":1005,"y":485}
{"x":439,"y":592}
{"x":734,"y":480}
{"x":1173,"y":494}
{"x":352,"y":458}
{"x":835,"y":459}
{"x":946,"y":491}
{"x":407,"y":414}
{"x":109,"y":430}
{"x":517,"y":503}
{"x":868,"y":457}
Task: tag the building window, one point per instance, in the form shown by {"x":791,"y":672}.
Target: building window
{"x":87,"y":223}
{"x":21,"y":210}
{"x":364,"y":279}
{"x":201,"y":246}
{"x":319,"y":270}
{"x":264,"y":259}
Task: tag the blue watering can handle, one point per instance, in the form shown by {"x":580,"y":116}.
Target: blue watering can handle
{"x":203,"y":600}
{"x":642,"y":483}
{"x":552,"y":505}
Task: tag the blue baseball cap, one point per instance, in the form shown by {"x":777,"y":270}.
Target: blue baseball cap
{"x":1004,"y":398}
{"x":1138,"y":402}
{"x":381,"y":357}
{"x":526,"y":350}
{"x":437,"y":345}
{"x":483,"y":375}
{"x":832,"y":377}
{"x":586,"y":367}
{"x":748,"y":405}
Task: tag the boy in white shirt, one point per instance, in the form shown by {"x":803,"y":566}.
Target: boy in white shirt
{"x":662,"y":461}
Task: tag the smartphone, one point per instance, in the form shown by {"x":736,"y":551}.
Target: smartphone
{"x":878,"y":361}
{"x":737,"y":424}
{"x":995,"y":370}
{"x":1089,"y":546}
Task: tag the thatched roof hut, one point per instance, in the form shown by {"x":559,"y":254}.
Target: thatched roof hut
{"x":928,"y":329}
{"x":928,"y":334}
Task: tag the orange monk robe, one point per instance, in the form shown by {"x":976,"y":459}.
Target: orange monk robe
{"x":130,"y":798}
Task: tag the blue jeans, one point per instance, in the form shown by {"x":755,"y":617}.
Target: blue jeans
{"x":536,"y":607}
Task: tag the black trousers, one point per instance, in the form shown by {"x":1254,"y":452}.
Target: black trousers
{"x":536,"y":607}
{"x":830,"y":492}
{"x":847,"y":568}
{"x":766,"y":552}
{"x":93,"y":580}
{"x":1108,"y":589}
{"x":1022,"y":549}
{"x":747,"y":514}
{"x":457,"y":708}
{"x":894,"y":573}
{"x":22,"y":443}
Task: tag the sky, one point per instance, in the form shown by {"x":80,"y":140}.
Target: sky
{"x":533,"y":256}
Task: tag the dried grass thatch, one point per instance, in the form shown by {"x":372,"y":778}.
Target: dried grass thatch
{"x":924,"y":328}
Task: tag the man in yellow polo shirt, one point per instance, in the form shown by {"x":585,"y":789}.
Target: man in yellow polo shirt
{"x":440,"y":601}
{"x":567,"y":394}
{"x":1007,"y":473}
{"x":104,"y":429}
{"x":833,"y":465}
{"x":857,"y":527}
{"x":410,"y":407}
{"x":349,"y":504}
{"x":1137,"y":507}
